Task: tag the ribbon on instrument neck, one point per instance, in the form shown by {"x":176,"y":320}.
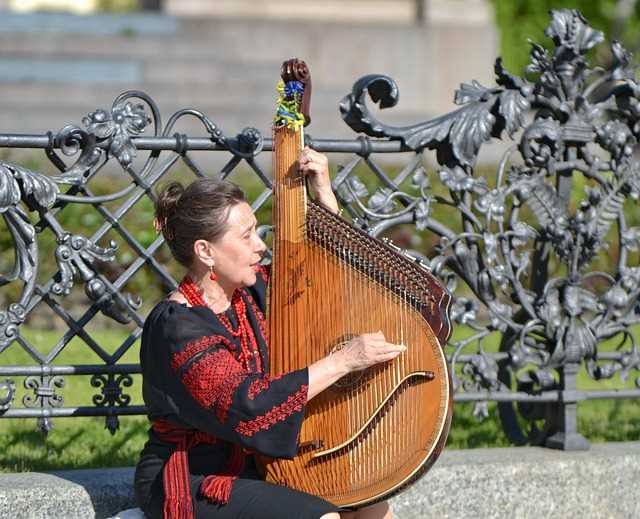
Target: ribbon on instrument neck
{"x":289,"y":99}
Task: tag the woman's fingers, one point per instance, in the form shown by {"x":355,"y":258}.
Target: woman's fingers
{"x":388,"y":348}
{"x":388,"y":356}
{"x":369,"y":349}
{"x":313,"y":162}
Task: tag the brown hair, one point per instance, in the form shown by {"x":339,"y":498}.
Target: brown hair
{"x":196,"y":212}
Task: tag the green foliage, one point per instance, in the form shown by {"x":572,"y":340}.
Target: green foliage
{"x":519,"y":20}
{"x":118,"y":6}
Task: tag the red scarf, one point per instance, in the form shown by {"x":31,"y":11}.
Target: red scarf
{"x":177,"y":491}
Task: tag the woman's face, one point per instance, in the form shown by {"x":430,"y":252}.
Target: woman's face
{"x":237,"y":253}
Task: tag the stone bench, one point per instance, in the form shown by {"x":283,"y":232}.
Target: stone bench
{"x":509,"y":483}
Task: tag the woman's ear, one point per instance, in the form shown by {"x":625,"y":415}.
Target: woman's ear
{"x":204,"y":252}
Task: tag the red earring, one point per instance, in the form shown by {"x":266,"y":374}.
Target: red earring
{"x":212,"y":276}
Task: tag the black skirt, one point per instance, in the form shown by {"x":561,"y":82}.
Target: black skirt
{"x":251,"y":498}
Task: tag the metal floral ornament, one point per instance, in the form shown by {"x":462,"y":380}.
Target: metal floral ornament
{"x":125,"y":121}
{"x":555,"y":280}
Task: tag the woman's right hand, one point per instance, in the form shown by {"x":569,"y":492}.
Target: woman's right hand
{"x":359,"y":353}
{"x":367,"y":350}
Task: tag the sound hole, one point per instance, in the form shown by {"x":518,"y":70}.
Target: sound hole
{"x":350,"y":380}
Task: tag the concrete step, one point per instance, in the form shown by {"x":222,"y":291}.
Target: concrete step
{"x":74,"y":100}
{"x":527,"y":483}
{"x":55,"y":23}
{"x":329,"y":47}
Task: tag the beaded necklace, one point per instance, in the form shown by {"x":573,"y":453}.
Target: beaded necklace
{"x":248,"y":345}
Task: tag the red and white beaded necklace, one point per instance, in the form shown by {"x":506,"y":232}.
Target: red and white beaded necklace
{"x":248,"y":345}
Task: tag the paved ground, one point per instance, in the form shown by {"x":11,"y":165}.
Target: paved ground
{"x":480,"y":483}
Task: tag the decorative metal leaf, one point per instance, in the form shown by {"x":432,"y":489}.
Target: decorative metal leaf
{"x":419,"y":179}
{"x":539,"y":59}
{"x":602,"y":217}
{"x":423,"y":213}
{"x":568,"y":28}
{"x":543,"y":201}
{"x":580,"y":341}
{"x":23,"y":234}
{"x":10,"y":320}
{"x":509,"y":81}
{"x":17,"y":182}
{"x":456,"y":136}
{"x":631,"y":239}
{"x":492,"y":203}
{"x":513,"y":107}
{"x":620,"y":64}
{"x":472,"y":128}
{"x":521,"y":233}
{"x":73,"y":253}
{"x":358,"y":187}
{"x":474,"y":92}
{"x":9,"y":188}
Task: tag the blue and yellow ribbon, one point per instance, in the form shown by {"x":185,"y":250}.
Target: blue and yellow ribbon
{"x":288,"y":106}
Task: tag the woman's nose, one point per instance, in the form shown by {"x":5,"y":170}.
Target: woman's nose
{"x":261,"y":246}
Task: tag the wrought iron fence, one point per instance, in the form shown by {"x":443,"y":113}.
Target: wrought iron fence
{"x":523,"y":250}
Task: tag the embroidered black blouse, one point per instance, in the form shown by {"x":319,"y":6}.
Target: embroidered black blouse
{"x":193,"y":379}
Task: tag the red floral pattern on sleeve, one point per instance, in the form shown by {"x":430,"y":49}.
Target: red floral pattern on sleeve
{"x":213,"y":379}
{"x":278,"y":413}
{"x":261,"y":384}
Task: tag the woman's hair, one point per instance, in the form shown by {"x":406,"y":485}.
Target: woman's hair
{"x":196,"y":212}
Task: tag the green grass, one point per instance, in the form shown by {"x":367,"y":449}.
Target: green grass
{"x":85,"y":442}
{"x":73,"y":442}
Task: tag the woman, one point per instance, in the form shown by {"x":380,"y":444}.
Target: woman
{"x":204,"y":362}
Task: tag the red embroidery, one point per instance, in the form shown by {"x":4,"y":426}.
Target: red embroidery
{"x":260,"y":384}
{"x":264,"y":271}
{"x":213,"y":379}
{"x":195,"y":347}
{"x":226,"y":397}
{"x":248,"y":345}
{"x":278,"y":413}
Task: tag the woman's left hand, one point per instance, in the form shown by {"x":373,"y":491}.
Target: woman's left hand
{"x":316,"y":166}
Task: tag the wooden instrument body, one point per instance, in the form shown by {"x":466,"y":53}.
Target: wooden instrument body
{"x":377,"y":430}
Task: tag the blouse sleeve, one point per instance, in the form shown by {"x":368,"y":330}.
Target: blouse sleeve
{"x":213,"y":392}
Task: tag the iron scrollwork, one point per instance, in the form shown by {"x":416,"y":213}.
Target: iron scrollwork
{"x":529,"y":260}
{"x":111,"y":395}
{"x":7,"y":394}
{"x":107,"y":134}
{"x":44,"y":397}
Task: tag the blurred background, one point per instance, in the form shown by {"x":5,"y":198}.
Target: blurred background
{"x":64,"y":58}
{"x":61,"y":59}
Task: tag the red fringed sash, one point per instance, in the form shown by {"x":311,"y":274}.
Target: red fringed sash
{"x":177,"y":492}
